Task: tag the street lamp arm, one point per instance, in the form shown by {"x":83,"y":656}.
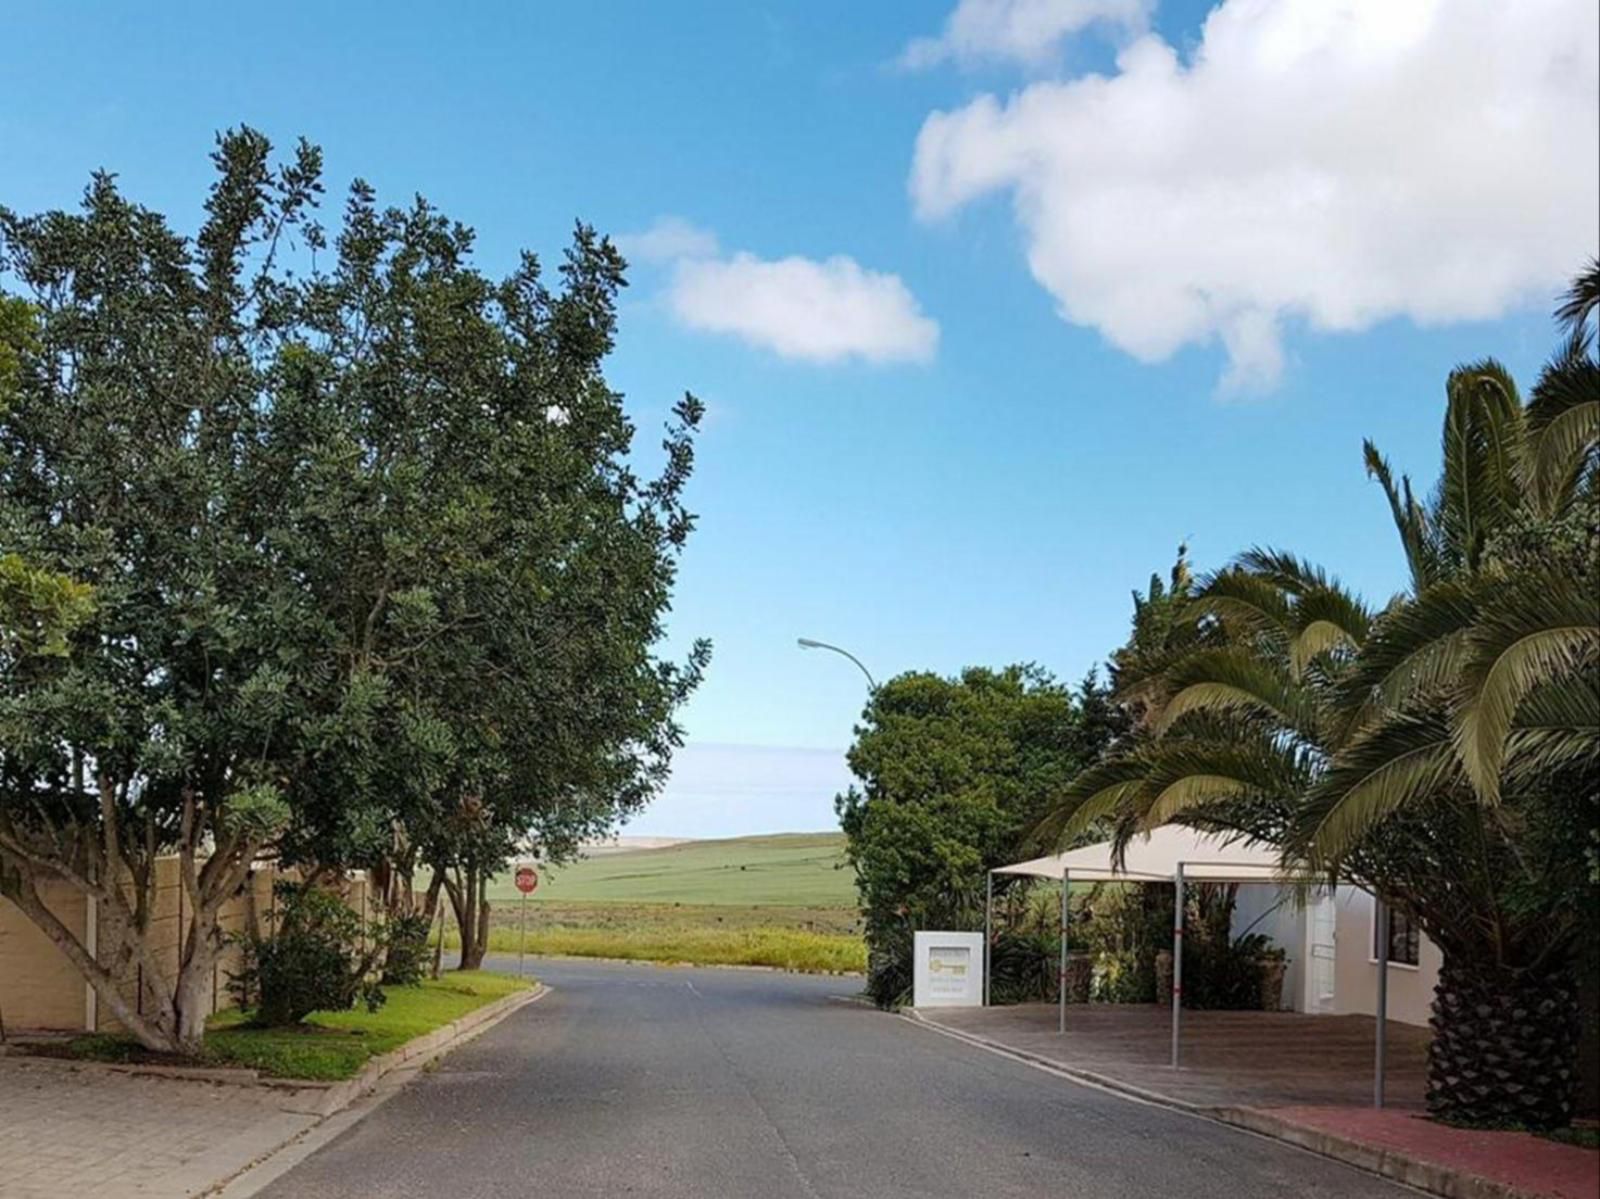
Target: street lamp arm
{"x":808,"y":643}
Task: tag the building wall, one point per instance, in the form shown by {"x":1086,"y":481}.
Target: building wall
{"x":1273,"y":912}
{"x":41,"y":990}
{"x":1410,"y":987}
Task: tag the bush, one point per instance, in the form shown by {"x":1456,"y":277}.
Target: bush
{"x":1023,"y":966}
{"x":311,"y":962}
{"x":1123,"y":927}
{"x":405,"y":960}
{"x":889,"y":966}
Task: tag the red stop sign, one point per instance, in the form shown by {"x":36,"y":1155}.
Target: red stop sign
{"x":527,"y":878}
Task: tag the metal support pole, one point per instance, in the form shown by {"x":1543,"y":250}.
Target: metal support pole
{"x":1177,"y":959}
{"x":988,"y":910}
{"x":522,"y":935}
{"x":1380,"y":1049}
{"x":1061,"y":1024}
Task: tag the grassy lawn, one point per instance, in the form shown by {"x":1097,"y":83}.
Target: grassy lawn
{"x":785,"y":870}
{"x":331,"y":1045}
{"x":783,"y":948}
{"x":786,"y":900}
{"x":810,"y":939}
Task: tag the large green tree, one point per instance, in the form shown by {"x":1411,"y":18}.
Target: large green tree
{"x":364,"y":565}
{"x":954,"y":775}
{"x":1439,"y":751}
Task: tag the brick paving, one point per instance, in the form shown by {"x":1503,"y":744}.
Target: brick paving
{"x":99,"y":1134}
{"x":1530,"y":1164}
{"x":1229,"y":1059}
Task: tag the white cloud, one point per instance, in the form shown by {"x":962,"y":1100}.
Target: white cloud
{"x":801,"y":308}
{"x":1026,"y":31}
{"x":1337,"y":163}
{"x":668,"y":239}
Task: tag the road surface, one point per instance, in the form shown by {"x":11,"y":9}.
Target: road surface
{"x":698,"y":1084}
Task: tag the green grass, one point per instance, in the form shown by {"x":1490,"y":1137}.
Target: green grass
{"x":331,"y":1045}
{"x":819,"y":940}
{"x":788,"y":869}
{"x":757,"y":945}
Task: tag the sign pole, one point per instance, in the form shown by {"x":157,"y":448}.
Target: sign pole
{"x":526,"y":879}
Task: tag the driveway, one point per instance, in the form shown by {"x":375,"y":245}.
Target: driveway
{"x":700,"y":1083}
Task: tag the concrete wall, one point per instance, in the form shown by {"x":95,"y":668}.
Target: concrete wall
{"x":1272,"y":911}
{"x":41,"y":990}
{"x":1410,"y":987}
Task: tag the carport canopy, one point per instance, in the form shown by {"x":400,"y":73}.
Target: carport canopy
{"x":1154,"y":857}
{"x":1176,"y":855}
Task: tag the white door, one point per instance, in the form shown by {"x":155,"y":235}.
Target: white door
{"x":1320,"y":972}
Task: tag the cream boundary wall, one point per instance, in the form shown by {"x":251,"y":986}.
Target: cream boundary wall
{"x":41,"y":990}
{"x":1356,"y":973}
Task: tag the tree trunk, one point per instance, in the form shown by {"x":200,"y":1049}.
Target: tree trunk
{"x":473,"y":915}
{"x":1505,"y":1045}
{"x":468,"y":894}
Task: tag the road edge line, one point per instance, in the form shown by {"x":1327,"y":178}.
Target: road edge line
{"x":1422,"y":1178}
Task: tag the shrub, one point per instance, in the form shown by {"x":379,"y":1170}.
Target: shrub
{"x":310,"y":962}
{"x":405,"y":960}
{"x":1023,"y":966}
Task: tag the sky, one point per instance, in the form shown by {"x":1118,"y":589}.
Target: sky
{"x":992,"y":302}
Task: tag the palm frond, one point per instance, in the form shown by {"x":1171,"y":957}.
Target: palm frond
{"x":1408,"y":758}
{"x":1582,"y":298}
{"x":1413,"y":650}
{"x":1324,"y":621}
{"x":1530,"y":634}
{"x":1243,"y":602}
{"x":1233,"y":680}
{"x":1563,"y":424}
{"x":1099,"y":793}
{"x":1282,"y":569}
{"x":1483,"y":446}
{"x":1410,"y":521}
{"x":1557,"y":729}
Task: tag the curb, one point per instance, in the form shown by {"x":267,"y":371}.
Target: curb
{"x":1424,"y":1175}
{"x":333,"y":1096}
{"x":1385,"y":1163}
{"x":334,"y":1116}
{"x":1076,"y":1073}
{"x":238,"y":1076}
{"x":340,"y":1095}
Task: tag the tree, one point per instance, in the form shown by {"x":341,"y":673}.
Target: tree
{"x":363,"y":546}
{"x":1433,"y":751}
{"x":953,"y":775}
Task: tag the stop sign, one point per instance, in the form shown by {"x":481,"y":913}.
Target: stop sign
{"x":527,"y":878}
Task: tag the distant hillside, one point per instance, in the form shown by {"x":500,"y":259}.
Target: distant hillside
{"x":785,"y":869}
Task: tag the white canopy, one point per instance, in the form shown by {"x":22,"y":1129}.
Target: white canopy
{"x":1154,"y":857}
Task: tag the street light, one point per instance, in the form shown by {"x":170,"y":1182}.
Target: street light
{"x":807,"y":643}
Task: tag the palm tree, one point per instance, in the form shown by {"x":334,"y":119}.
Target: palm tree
{"x":1437,"y":751}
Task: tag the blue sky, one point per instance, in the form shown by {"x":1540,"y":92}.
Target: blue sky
{"x":1140,"y":283}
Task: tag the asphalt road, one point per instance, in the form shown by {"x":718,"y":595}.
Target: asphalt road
{"x":640,"y":1080}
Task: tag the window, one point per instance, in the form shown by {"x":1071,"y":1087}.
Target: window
{"x":1404,"y":940}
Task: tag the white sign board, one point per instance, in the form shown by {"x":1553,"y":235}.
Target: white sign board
{"x":948,"y":970}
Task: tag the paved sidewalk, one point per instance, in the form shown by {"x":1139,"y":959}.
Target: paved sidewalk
{"x":99,"y":1134}
{"x":1302,"y":1079}
{"x":1519,"y":1161}
{"x":1229,"y":1059}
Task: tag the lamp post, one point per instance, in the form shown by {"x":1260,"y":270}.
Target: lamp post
{"x":807,"y":643}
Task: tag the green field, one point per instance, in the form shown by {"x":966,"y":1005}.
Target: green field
{"x":797,"y":870}
{"x":786,"y":900}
